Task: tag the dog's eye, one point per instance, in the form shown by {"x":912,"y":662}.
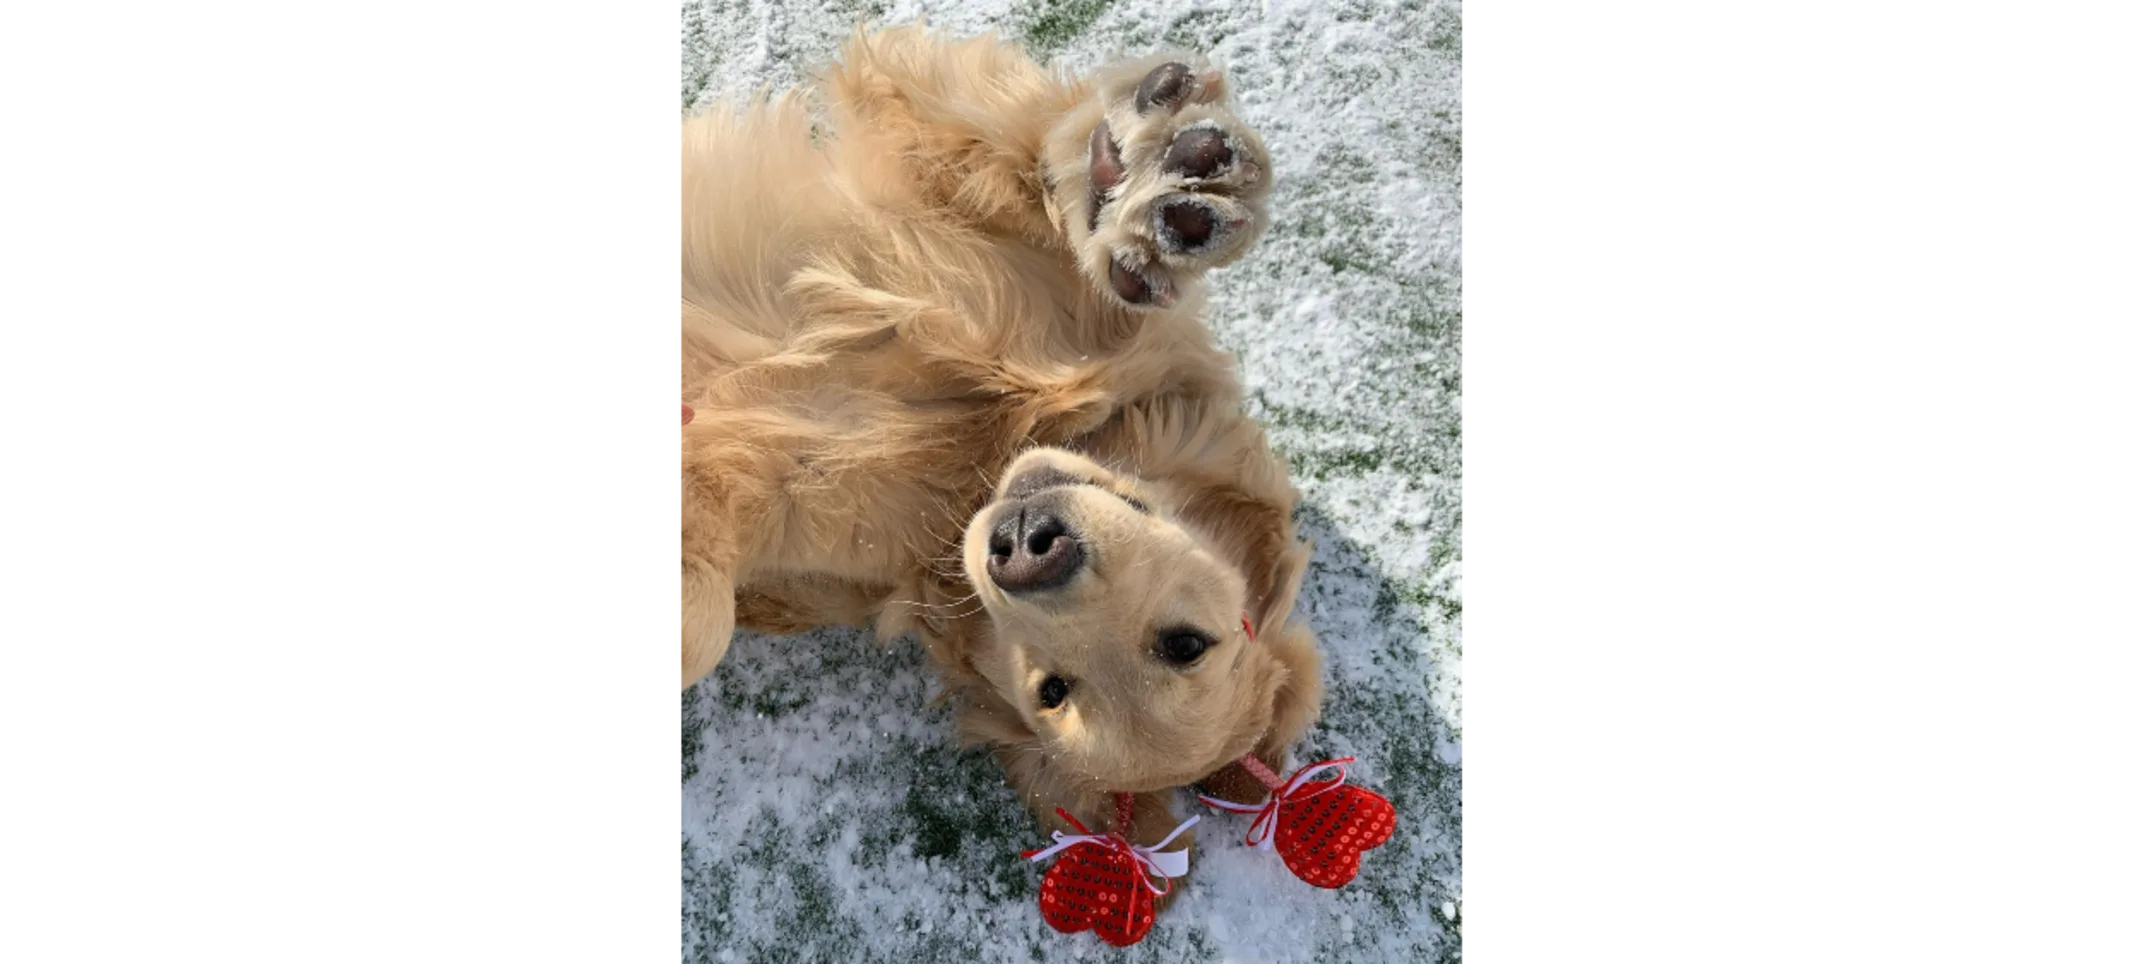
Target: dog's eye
{"x":1053,"y":691}
{"x":1182,"y":646}
{"x":1137,"y":505}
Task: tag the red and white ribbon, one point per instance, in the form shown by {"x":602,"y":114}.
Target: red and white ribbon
{"x":1164,"y":865}
{"x":1302,"y":786}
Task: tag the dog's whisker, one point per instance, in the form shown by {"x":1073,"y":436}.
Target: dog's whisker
{"x":918,"y":604}
{"x":951,"y":575}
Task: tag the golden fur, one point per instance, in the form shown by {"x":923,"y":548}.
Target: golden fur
{"x":895,"y":309}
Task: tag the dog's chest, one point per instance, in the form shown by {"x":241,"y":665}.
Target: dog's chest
{"x":875,"y":485}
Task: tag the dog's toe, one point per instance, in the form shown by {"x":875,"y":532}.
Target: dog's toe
{"x":1106,"y":169}
{"x":1144,"y":288}
{"x":1165,"y":87}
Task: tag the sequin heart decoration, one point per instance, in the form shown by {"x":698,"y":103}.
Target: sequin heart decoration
{"x":1100,"y":888}
{"x":1103,"y":882}
{"x":1319,"y":827}
{"x":1321,"y":837}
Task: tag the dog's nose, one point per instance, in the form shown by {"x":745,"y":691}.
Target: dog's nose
{"x":1033,"y":550}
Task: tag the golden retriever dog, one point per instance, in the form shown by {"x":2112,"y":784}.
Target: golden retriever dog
{"x":941,"y":333}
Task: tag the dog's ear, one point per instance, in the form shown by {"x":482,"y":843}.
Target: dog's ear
{"x":1292,"y":681}
{"x":1275,"y":605}
{"x":1290,"y":684}
{"x":1298,"y":699}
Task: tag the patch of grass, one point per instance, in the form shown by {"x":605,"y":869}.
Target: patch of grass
{"x":936,"y":832}
{"x":694,"y":741}
{"x":813,"y":907}
{"x":1054,"y":23}
{"x":1195,"y":30}
{"x":1445,"y":33}
{"x":706,"y":914}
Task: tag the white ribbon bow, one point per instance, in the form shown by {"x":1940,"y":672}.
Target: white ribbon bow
{"x":1262,"y":832}
{"x":1169,"y":864}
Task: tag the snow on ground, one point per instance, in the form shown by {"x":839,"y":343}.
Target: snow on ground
{"x":827,"y":815}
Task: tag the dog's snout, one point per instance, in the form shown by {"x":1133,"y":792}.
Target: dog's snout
{"x":1032,"y":550}
{"x":1034,"y":481}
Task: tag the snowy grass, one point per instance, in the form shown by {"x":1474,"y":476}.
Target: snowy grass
{"x":827,"y":816}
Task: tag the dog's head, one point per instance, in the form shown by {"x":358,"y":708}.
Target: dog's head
{"x":1117,"y":607}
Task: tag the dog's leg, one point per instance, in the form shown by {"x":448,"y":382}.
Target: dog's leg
{"x":1155,"y":180}
{"x":709,"y":617}
{"x":1154,"y":819}
{"x":718,"y":493}
{"x":961,"y":121}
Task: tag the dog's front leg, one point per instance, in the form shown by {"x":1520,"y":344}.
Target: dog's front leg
{"x":709,"y":620}
{"x":717,"y":485}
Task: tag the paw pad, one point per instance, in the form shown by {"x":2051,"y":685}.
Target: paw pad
{"x":1187,"y":224}
{"x":1172,"y":183}
{"x":1198,"y":153}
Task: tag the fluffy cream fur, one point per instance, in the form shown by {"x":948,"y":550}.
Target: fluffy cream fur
{"x":894,"y":292}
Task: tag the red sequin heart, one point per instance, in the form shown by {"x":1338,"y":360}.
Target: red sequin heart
{"x":1097,"y":887}
{"x":1321,"y":837}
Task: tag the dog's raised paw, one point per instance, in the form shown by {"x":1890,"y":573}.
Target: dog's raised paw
{"x":1157,"y":181}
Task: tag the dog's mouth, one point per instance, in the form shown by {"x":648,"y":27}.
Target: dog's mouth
{"x":1033,"y":482}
